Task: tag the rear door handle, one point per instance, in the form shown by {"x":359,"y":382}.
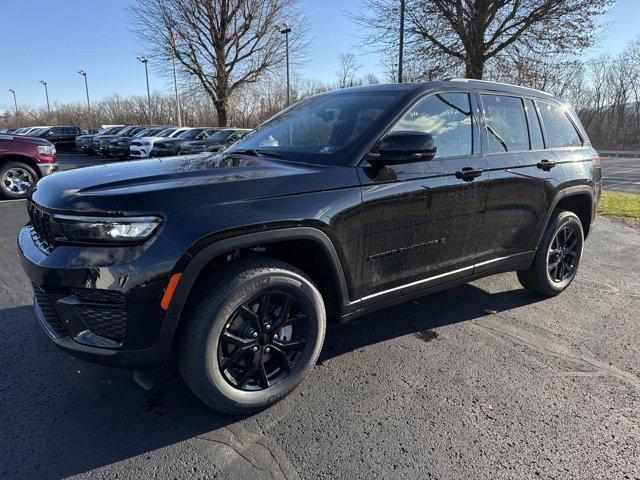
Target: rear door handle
{"x":468,"y":173}
{"x":545,"y":165}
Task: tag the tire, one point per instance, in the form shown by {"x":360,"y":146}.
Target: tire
{"x":8,"y":188}
{"x":554,"y":267}
{"x":204,"y":348}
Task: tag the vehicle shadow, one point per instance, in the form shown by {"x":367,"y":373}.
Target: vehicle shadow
{"x":62,"y":417}
{"x":420,"y":317}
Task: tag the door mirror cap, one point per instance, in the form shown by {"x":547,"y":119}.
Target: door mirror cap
{"x":404,"y":147}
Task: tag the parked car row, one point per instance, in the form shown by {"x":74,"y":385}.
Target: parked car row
{"x":135,"y":141}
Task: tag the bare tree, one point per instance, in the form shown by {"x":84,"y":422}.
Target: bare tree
{"x":222,"y":45}
{"x":469,"y":33}
{"x":347,"y":69}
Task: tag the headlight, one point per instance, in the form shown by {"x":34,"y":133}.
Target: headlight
{"x":107,"y":229}
{"x":46,"y":149}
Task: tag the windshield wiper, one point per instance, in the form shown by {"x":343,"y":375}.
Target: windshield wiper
{"x":255,"y":152}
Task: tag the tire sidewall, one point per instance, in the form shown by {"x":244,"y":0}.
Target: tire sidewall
{"x":564,"y":220}
{"x":283,"y":281}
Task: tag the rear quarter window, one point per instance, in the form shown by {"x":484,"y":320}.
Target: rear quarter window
{"x":560,"y":131}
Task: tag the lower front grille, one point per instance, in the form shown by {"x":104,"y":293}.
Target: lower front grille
{"x":103,"y":312}
{"x":48,"y":312}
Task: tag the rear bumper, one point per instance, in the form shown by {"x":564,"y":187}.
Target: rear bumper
{"x":102,"y":304}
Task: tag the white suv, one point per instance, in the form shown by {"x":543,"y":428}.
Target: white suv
{"x":141,"y":147}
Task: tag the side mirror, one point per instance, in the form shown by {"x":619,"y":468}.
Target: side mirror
{"x":50,"y":133}
{"x":404,"y":147}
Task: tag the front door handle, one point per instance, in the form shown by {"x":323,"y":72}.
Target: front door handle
{"x":545,"y":165}
{"x":468,"y":173}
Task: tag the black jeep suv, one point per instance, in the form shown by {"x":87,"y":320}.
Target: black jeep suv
{"x":342,"y":204}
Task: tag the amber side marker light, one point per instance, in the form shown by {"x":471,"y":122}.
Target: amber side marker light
{"x":168,"y":292}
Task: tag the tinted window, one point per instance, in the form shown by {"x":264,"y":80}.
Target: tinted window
{"x":446,"y":116}
{"x":506,"y":123}
{"x":70,"y":131}
{"x":57,"y":131}
{"x":535,"y":131}
{"x":559,"y":129}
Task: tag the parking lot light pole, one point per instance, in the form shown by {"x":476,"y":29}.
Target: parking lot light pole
{"x":286,"y":29}
{"x":15,"y":102}
{"x":86,"y":87}
{"x":401,"y":42}
{"x":46,"y":92}
{"x":145,"y":60}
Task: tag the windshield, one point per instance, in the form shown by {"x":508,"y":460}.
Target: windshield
{"x":190,"y":134}
{"x":221,"y":135}
{"x":37,"y":131}
{"x":149,"y":132}
{"x":166,"y":132}
{"x":322,"y":129}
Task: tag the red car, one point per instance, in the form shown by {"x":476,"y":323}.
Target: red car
{"x":23,"y":160}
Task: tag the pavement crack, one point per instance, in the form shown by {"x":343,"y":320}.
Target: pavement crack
{"x":546,"y":346}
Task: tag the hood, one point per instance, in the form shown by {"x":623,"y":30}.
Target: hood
{"x":23,"y":139}
{"x":149,"y":139}
{"x":145,"y":185}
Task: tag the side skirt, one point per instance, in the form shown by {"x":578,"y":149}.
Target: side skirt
{"x":418,"y":289}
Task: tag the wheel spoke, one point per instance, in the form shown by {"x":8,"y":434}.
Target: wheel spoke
{"x":236,"y":340}
{"x":290,"y":344}
{"x":283,"y":357}
{"x":292,"y":320}
{"x":262,"y":309}
{"x":251,"y":371}
{"x":247,"y":315}
{"x":264,"y":381}
{"x":284,"y":313}
{"x":233,"y":358}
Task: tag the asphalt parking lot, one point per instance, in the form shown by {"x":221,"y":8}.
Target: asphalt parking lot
{"x":482,"y":381}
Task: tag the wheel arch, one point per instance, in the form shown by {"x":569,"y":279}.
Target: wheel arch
{"x":16,"y":157}
{"x":278,"y":243}
{"x":579,"y":199}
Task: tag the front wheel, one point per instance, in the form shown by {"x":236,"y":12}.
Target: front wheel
{"x":15,"y":179}
{"x":556,"y":261}
{"x":254,"y":334}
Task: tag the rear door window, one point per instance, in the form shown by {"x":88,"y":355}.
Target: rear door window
{"x":506,"y":123}
{"x":559,"y":130}
{"x":447,"y":117}
{"x":535,"y":131}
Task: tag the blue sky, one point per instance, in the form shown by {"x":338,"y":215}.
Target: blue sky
{"x":52,"y":40}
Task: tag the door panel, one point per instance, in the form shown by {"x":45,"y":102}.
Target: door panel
{"x":419,"y":221}
{"x":522,"y":183}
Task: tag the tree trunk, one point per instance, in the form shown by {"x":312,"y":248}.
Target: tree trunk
{"x":474,"y":66}
{"x":222,"y":112}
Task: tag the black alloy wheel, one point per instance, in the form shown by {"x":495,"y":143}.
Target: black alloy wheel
{"x":557,"y":258}
{"x":262,"y":341}
{"x":564,"y":249}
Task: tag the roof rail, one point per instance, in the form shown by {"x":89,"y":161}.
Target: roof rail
{"x":463,"y":79}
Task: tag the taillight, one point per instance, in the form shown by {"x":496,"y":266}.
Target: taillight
{"x":596,"y":159}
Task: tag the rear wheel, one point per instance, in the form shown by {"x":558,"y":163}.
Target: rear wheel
{"x":15,"y":179}
{"x":255,"y":333}
{"x":558,"y":256}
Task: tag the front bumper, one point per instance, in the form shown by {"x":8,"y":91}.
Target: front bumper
{"x":119,"y":150}
{"x":47,"y":168}
{"x":164,"y":152}
{"x":102,"y":304}
{"x":138,"y":152}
